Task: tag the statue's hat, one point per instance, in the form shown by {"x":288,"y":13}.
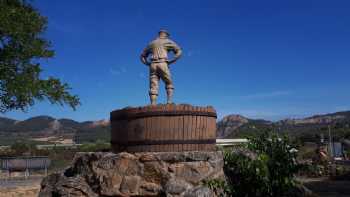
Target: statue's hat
{"x":165,"y":31}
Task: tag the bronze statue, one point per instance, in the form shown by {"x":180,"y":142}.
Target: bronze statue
{"x":159,"y":64}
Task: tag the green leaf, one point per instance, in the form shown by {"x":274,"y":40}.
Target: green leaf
{"x":22,"y":46}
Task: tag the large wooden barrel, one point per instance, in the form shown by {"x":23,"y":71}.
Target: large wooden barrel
{"x":163,"y":128}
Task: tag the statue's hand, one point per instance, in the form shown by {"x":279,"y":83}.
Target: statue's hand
{"x":171,"y":61}
{"x":145,"y":61}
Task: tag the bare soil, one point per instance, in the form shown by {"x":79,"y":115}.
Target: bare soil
{"x":18,"y":187}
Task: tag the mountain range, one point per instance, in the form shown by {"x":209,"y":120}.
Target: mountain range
{"x":42,"y":127}
{"x":231,"y":126}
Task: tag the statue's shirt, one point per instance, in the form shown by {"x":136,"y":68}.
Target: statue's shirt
{"x":159,"y":49}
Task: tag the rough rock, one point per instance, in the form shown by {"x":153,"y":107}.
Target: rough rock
{"x":199,"y":191}
{"x":58,"y":185}
{"x":174,"y":174}
{"x":176,"y":186}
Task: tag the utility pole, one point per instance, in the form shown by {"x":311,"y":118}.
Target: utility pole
{"x":322,"y":139}
{"x":330,"y":143}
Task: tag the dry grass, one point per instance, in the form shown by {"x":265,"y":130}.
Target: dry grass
{"x":54,"y":139}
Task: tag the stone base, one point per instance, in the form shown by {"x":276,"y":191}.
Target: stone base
{"x":138,"y":174}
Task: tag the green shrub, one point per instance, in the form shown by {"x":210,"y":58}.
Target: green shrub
{"x":218,"y":186}
{"x":266,"y":168}
{"x":95,"y":147}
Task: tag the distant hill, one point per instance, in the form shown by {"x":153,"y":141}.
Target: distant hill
{"x":6,"y":124}
{"x":338,"y":117}
{"x":233,"y":126}
{"x":236,"y":125}
{"x":230,"y":124}
{"x":46,"y":126}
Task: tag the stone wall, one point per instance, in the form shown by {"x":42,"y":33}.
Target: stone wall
{"x":139,"y":174}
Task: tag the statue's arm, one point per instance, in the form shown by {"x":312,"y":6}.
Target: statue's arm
{"x":144,"y":56}
{"x":177,"y":51}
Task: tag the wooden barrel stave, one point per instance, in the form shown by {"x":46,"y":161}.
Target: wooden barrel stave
{"x":150,"y":128}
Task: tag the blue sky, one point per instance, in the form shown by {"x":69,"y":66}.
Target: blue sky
{"x":262,"y":59}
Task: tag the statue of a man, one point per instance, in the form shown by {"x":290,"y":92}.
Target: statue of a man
{"x":159,"y":64}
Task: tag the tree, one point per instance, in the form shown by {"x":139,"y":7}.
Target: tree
{"x":22,"y":47}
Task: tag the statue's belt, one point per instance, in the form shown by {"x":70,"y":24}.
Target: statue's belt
{"x":159,"y":60}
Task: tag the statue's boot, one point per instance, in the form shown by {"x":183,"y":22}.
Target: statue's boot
{"x":169,"y":96}
{"x":153,"y":99}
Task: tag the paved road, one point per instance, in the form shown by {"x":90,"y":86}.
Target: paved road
{"x":328,"y":188}
{"x":343,"y":162}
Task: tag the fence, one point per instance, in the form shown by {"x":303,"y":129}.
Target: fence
{"x":24,"y":164}
{"x":231,"y":142}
